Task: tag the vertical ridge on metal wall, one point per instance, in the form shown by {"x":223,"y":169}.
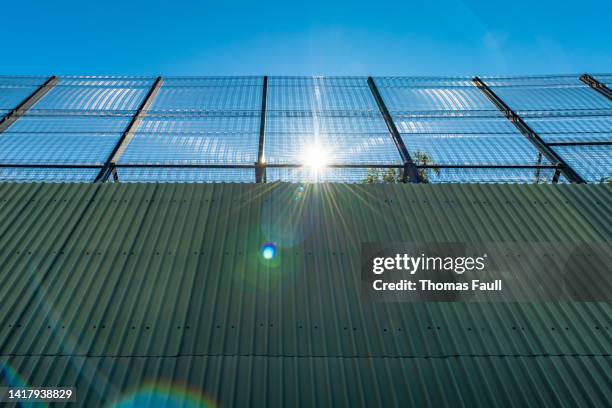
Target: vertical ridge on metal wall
{"x":260,"y":170}
{"x":596,"y":85}
{"x":532,"y":136}
{"x":126,"y":137}
{"x":24,"y":106}
{"x":411,"y":173}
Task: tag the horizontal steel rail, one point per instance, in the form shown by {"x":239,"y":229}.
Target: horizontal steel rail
{"x":49,"y":166}
{"x":183,"y":166}
{"x":601,"y":143}
{"x":284,"y":165}
{"x":347,"y":166}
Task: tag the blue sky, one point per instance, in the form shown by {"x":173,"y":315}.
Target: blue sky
{"x":377,"y":37}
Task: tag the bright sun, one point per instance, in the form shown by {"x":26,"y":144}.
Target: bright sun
{"x":315,"y":157}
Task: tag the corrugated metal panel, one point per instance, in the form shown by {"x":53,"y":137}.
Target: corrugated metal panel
{"x":162,"y":282}
{"x":225,"y":381}
{"x":36,"y":219}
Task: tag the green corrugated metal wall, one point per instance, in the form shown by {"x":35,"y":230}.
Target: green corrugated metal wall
{"x":112,"y":287}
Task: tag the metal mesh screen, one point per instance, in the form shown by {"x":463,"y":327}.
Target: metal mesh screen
{"x":184,"y":175}
{"x":567,"y":129}
{"x":199,"y":121}
{"x":15,"y":89}
{"x":50,"y":175}
{"x":331,"y":175}
{"x":327,"y":120}
{"x":507,"y":175}
{"x":449,"y":121}
{"x":315,"y":129}
{"x":604,"y":79}
{"x":571,"y":117}
{"x":592,"y":162}
{"x":95,"y":94}
{"x":526,"y":94}
{"x":78,"y":121}
{"x":51,"y":138}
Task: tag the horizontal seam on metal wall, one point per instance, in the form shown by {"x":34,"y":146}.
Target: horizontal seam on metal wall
{"x":440,"y":356}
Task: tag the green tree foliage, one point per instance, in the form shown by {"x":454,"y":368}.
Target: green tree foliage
{"x":381,"y":176}
{"x":377,"y":176}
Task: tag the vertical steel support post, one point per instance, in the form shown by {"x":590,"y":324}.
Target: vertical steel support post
{"x":260,"y":169}
{"x":411,"y":172}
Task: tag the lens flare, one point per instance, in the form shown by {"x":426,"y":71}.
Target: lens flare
{"x":164,"y":395}
{"x":299,"y":192}
{"x":315,"y":157}
{"x":9,"y":376}
{"x":268,"y":251}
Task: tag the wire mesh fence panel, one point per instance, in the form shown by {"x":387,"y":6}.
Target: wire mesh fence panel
{"x":329,"y":138}
{"x":192,"y":148}
{"x":321,"y":98}
{"x":563,"y":109}
{"x":59,"y":123}
{"x":177,"y":123}
{"x":79,"y":121}
{"x":61,"y":138}
{"x":449,"y":121}
{"x":593,"y":163}
{"x":524,"y":95}
{"x":312,"y":122}
{"x":184,"y":175}
{"x":56,"y":148}
{"x":222,"y":81}
{"x":107,"y":81}
{"x":414,"y":94}
{"x":472,"y":149}
{"x":454,"y":125}
{"x":205,"y":98}
{"x":309,"y":81}
{"x":12,"y":95}
{"x":196,"y":140}
{"x":572,"y":128}
{"x":402,"y":99}
{"x":16,"y":89}
{"x":533,"y":80}
{"x":92,"y":98}
{"x":198,"y":120}
{"x":322,"y":149}
{"x":49,"y":175}
{"x":316,"y":123}
{"x":483,"y":175}
{"x":425,"y":82}
{"x":22,"y":80}
{"x":604,"y":79}
{"x":334,"y":175}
